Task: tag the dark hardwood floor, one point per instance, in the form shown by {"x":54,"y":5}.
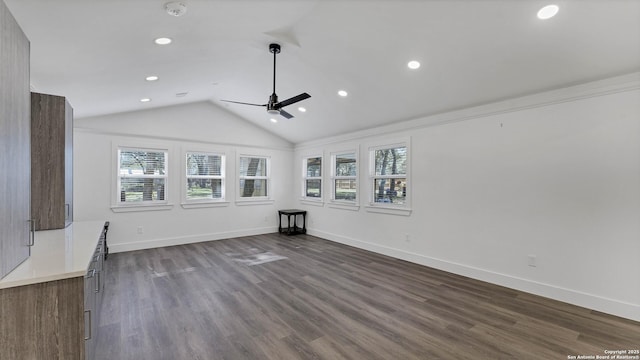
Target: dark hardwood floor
{"x":233,"y":299}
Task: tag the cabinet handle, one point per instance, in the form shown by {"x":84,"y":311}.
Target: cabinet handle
{"x":88,"y":327}
{"x":67,"y":211}
{"x":32,"y":232}
{"x":91,"y":273}
{"x":97,"y":289}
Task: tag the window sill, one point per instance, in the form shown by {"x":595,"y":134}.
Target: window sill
{"x":204,"y":204}
{"x":147,"y":207}
{"x":313,"y":202}
{"x":255,"y":202}
{"x":344,"y":205}
{"x":401,"y":211}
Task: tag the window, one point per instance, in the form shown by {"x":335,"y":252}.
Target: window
{"x":142,"y":176}
{"x":254,"y":176}
{"x":312,"y":177}
{"x":345,"y":174}
{"x":389,"y":174}
{"x":205,"y":177}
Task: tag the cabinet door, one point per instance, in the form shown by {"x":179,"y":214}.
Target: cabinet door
{"x":68,"y":164}
{"x":48,"y":150}
{"x":90,"y":320}
{"x":98,"y":258}
{"x":15,"y":161}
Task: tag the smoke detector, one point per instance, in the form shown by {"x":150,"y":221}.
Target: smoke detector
{"x":175,"y":8}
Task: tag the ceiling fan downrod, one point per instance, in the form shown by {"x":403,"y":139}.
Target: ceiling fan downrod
{"x":274,"y":49}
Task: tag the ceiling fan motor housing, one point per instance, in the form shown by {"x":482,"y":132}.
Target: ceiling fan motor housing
{"x":273,"y":101}
{"x":272,"y":105}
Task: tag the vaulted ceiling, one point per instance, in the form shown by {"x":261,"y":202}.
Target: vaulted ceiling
{"x":97,"y":53}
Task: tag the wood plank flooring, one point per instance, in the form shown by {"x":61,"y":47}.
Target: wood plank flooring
{"x":226,"y":300}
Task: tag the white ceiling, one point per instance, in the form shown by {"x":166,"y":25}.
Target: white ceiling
{"x":98,"y":52}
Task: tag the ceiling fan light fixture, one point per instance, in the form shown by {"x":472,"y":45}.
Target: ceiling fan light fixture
{"x":273,"y":111}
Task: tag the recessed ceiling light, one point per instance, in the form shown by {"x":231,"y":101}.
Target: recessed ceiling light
{"x":151,"y":78}
{"x":162,"y":41}
{"x":413,"y":64}
{"x":301,"y":109}
{"x":273,"y":120}
{"x":548,"y":12}
{"x":343,"y":93}
{"x":145,"y":100}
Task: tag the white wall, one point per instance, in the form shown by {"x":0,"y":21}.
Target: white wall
{"x":195,"y":122}
{"x":555,"y":175}
{"x":201,"y":127}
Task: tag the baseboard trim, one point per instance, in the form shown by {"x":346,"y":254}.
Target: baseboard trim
{"x":156,"y":243}
{"x":590,"y":301}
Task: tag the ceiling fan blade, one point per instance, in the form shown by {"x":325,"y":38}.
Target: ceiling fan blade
{"x":293,"y":100}
{"x":243,"y":103}
{"x":285,"y":114}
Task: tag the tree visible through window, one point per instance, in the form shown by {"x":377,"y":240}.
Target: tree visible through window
{"x":142,"y":175}
{"x":390,"y":175}
{"x":205,"y":176}
{"x":345,"y":177}
{"x":253,"y":176}
{"x":313,"y":177}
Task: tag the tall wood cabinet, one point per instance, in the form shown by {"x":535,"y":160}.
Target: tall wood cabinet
{"x":51,"y":161}
{"x":14,"y":143}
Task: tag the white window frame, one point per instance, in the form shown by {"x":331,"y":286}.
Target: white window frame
{"x":305,"y":178}
{"x":254,"y":199}
{"x":200,"y":203}
{"x":341,"y":203}
{"x":389,"y":208}
{"x":120,"y":206}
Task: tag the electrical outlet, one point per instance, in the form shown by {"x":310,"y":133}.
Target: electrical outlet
{"x":533,"y":260}
{"x":140,"y":230}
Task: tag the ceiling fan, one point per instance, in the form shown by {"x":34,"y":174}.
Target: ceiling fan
{"x":274,"y":106}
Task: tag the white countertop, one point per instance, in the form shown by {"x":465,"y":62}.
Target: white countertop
{"x":57,"y":254}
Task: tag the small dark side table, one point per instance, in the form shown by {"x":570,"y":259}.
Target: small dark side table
{"x":295,"y":229}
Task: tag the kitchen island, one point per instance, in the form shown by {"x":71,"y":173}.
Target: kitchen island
{"x":49,"y":304}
